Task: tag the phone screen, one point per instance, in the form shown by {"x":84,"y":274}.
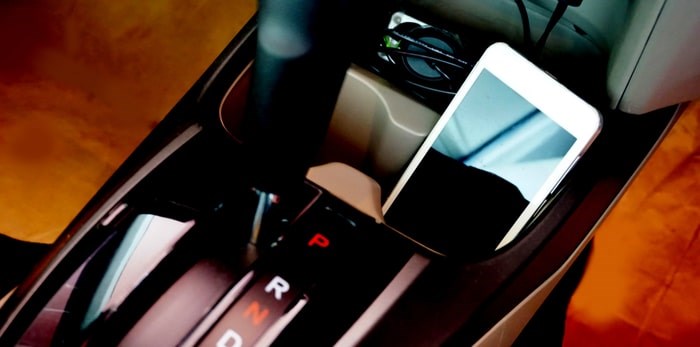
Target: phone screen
{"x":482,"y":175}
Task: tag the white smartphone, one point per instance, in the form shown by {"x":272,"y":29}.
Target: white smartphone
{"x":501,"y":147}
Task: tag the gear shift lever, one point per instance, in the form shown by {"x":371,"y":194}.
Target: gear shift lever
{"x":297,"y":75}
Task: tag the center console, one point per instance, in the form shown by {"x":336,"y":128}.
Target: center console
{"x":185,"y":245}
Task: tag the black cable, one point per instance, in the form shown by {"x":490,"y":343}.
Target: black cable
{"x":451,"y":68}
{"x":527,"y":37}
{"x":389,"y":51}
{"x":444,"y":75}
{"x":428,"y":47}
{"x":559,"y":10}
{"x":430,"y":89}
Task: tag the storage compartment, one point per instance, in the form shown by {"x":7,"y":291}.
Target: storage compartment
{"x":575,"y":51}
{"x":375,"y":128}
{"x":635,"y":56}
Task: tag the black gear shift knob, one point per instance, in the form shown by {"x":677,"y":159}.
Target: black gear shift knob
{"x":299,"y":67}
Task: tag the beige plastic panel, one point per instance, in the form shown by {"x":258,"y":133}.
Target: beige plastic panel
{"x":626,"y":52}
{"x":374,"y":127}
{"x":656,"y":61}
{"x":350,"y":185}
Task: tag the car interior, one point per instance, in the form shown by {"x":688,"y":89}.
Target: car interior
{"x":252,"y":213}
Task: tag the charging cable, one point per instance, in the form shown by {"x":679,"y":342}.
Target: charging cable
{"x":557,"y":14}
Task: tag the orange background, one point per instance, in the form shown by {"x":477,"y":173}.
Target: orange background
{"x":82,"y":82}
{"x":642,"y":283}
